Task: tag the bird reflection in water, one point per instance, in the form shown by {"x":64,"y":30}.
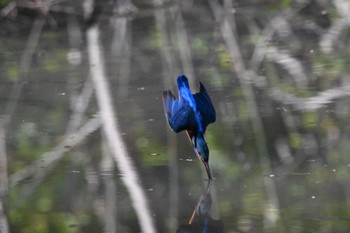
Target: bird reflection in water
{"x":193,"y":113}
{"x":201,"y":221}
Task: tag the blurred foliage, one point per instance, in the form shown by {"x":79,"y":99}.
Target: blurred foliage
{"x":56,"y":62}
{"x":295,"y":141}
{"x":200,"y":45}
{"x":309,"y":120}
{"x":329,"y":68}
{"x":286,"y":3}
{"x":12,"y":72}
{"x":155,"y":41}
{"x":4,"y":2}
{"x":224,"y":58}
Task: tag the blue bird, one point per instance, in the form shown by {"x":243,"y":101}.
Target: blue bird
{"x":193,"y":113}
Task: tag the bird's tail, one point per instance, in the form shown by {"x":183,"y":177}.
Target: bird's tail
{"x":168,"y":99}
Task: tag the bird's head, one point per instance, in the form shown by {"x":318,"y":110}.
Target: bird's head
{"x":201,"y":147}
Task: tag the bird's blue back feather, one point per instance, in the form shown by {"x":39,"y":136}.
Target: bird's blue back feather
{"x":185,"y":92}
{"x":179,"y":114}
{"x":188,"y":112}
{"x":205,"y":107}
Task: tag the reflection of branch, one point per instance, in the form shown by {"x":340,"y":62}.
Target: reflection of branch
{"x":48,"y":158}
{"x":4,"y":228}
{"x":113,"y":136}
{"x":121,"y":47}
{"x":289,"y":63}
{"x":26,"y":60}
{"x":3,"y":179}
{"x":53,"y":8}
{"x":104,"y":203}
{"x":278,"y":25}
{"x":183,"y":44}
{"x":267,"y":33}
{"x":10,"y":108}
{"x":168,"y":61}
{"x":110,"y":199}
{"x":283,"y":58}
{"x":331,"y":37}
{"x":3,"y":161}
{"x":8,"y":9}
{"x":169,"y":73}
{"x":338,"y":26}
{"x":227,"y":26}
{"x":79,"y":108}
{"x":262,"y":49}
{"x":227,"y":29}
{"x":80,"y":105}
{"x":146,"y":12}
{"x":311,"y":103}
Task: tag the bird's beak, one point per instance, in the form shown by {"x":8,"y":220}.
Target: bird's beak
{"x":206,"y":164}
{"x":207,"y":168}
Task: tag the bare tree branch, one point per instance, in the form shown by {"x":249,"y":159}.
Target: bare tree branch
{"x":111,"y":129}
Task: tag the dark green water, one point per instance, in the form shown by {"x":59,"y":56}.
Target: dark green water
{"x":278,"y":76}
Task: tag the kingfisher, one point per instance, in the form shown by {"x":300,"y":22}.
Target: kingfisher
{"x":193,"y":113}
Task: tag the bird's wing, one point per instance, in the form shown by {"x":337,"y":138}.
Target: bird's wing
{"x":179,"y":114}
{"x":204,"y":106}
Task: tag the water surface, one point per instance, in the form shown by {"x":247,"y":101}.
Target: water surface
{"x":278,"y":76}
